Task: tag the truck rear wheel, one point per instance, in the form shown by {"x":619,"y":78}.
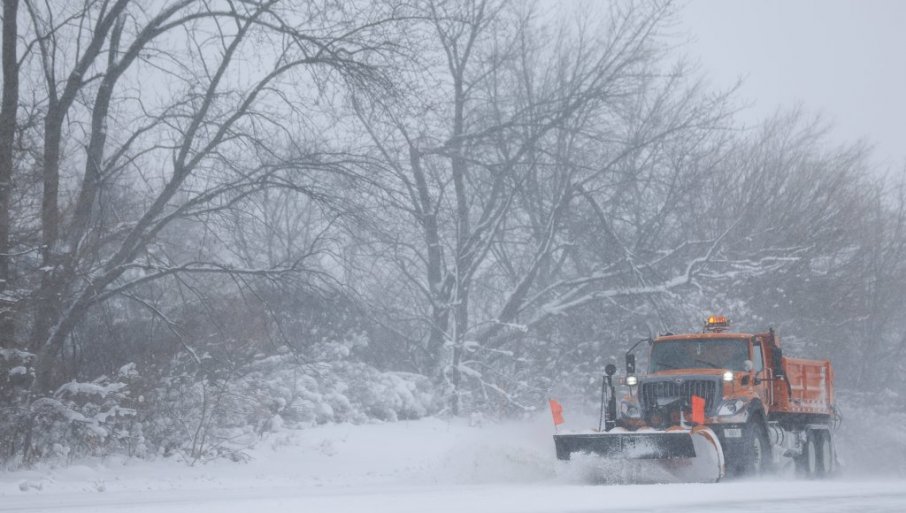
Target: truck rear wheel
{"x":824,"y":457}
{"x":807,"y":462}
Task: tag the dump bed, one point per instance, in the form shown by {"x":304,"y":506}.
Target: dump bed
{"x":810,"y":389}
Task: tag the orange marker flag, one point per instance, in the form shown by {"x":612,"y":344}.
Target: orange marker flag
{"x":556,"y":411}
{"x":698,"y":410}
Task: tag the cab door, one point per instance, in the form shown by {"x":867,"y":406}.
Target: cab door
{"x":763,"y":374}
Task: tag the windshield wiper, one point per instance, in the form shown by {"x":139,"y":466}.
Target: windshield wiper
{"x":662,"y":364}
{"x":711,"y":364}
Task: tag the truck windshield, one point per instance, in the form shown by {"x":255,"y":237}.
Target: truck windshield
{"x":707,"y":353}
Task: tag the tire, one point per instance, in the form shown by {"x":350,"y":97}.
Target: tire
{"x":824,"y":457}
{"x":756,"y":456}
{"x":807,"y":462}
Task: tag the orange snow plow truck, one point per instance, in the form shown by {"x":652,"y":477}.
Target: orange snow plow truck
{"x":731,"y":399}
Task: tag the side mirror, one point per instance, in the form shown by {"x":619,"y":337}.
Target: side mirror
{"x":630,"y":363}
{"x":748,"y":365}
{"x":610,"y":369}
{"x":746,"y":380}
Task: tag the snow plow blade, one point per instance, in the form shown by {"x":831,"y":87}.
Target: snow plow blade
{"x":673,"y":456}
{"x":627,"y":445}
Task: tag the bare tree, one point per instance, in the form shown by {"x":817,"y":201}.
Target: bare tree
{"x":520,"y":119}
{"x":215,"y":134}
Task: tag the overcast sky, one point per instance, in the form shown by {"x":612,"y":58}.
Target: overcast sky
{"x":844,"y":58}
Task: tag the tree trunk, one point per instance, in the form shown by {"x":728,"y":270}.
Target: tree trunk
{"x":8,"y":110}
{"x":49,"y":294}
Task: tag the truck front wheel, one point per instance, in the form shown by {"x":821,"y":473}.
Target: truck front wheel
{"x":755,"y":455}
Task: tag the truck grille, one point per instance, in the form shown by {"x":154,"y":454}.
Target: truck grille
{"x":665,"y":390}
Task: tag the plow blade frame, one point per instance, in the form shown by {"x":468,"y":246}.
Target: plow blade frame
{"x":642,"y":446}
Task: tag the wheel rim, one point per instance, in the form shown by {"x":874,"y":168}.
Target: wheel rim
{"x":757,"y":453}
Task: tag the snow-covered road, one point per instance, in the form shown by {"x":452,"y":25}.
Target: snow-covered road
{"x":765,"y":496}
{"x":425,"y":466}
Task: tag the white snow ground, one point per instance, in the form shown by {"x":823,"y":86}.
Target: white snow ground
{"x":421,"y":466}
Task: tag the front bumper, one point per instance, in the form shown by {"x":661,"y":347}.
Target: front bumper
{"x":731,"y":436}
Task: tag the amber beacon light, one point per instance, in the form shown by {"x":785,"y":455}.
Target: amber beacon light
{"x":717,"y":323}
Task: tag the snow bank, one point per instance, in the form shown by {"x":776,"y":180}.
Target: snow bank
{"x":429,"y":452}
{"x":408,"y":466}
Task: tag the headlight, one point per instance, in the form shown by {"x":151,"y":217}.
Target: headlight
{"x":632,"y":381}
{"x":728,"y":376}
{"x":731,"y":407}
{"x":630,"y":410}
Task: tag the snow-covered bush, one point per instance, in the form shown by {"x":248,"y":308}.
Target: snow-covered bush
{"x":16,"y":375}
{"x":219,"y":414}
{"x":80,"y":418}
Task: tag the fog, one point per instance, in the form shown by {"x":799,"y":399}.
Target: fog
{"x":835,"y":58}
{"x":224,"y":224}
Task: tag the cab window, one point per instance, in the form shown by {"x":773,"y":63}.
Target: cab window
{"x":706,"y":353}
{"x":757,"y":357}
